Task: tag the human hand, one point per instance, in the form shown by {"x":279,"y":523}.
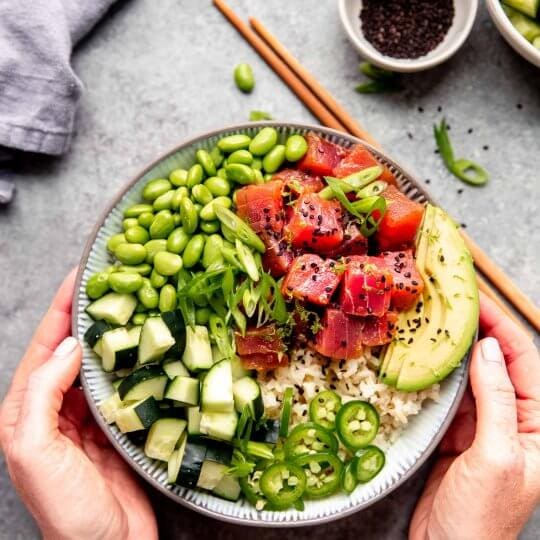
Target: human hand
{"x":73,"y":482}
{"x":486,"y":482}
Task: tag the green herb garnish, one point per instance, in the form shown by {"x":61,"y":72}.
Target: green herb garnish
{"x":464,"y":169}
{"x":381,"y":80}
{"x":256,"y":116}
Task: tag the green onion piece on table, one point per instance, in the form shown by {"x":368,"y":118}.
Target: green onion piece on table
{"x":256,"y":116}
{"x":377,"y":87}
{"x":466,"y":170}
{"x":375,"y":73}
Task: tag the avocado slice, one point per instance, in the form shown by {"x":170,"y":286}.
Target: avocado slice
{"x":526,"y":26}
{"x":527,"y":7}
{"x":439,"y":330}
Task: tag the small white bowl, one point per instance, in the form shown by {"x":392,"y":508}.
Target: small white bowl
{"x":511,"y":35}
{"x":465,"y":13}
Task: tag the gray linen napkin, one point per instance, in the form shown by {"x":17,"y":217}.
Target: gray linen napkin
{"x":39,"y":90}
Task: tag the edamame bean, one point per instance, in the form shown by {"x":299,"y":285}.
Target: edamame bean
{"x":144,"y":269}
{"x":145,"y":219}
{"x":218,"y":186}
{"x":267,"y":177}
{"x":137,"y":235}
{"x":129,"y":222}
{"x":206,"y":161}
{"x":167,"y":298}
{"x":167,"y":264}
{"x":156,"y":279}
{"x":264,"y":141}
{"x":202,"y":315}
{"x":201,"y":194}
{"x":130,"y":253}
{"x":221,"y":173}
{"x":147,"y":295}
{"x":125,"y":282}
{"x":154,"y":246}
{"x":188,"y":212}
{"x":138,"y":319}
{"x":162,"y":226}
{"x":137,"y":209}
{"x":237,"y":172}
{"x":274,"y":159}
{"x":115,"y":240}
{"x":256,"y":164}
{"x":193,"y":251}
{"x":243,"y":77}
{"x":164,"y":202}
{"x":208,"y":212}
{"x":155,"y":188}
{"x":177,"y":241}
{"x":179,"y":194}
{"x":209,"y":227}
{"x":259,"y":179}
{"x":233,"y":142}
{"x":195,"y":175}
{"x":200,"y":300}
{"x":212,"y":251}
{"x":217,"y":156}
{"x":97,"y":285}
{"x":295,"y":148}
{"x":178,"y":177}
{"x":241,"y":156}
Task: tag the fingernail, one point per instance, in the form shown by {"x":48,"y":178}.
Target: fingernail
{"x":66,"y":347}
{"x":491,"y":352}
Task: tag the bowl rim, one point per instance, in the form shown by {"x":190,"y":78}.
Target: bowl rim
{"x":508,"y":31}
{"x":106,"y":428}
{"x":414,"y":64}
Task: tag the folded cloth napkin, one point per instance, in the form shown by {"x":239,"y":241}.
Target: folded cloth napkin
{"x":38,"y":89}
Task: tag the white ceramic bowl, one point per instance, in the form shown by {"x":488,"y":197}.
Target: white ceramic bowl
{"x":465,"y":13}
{"x":511,"y":35}
{"x":403,"y":458}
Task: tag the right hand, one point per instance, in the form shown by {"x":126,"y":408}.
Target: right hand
{"x":68,"y":475}
{"x":486,"y":483}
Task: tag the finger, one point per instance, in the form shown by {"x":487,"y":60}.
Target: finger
{"x":522,"y":359}
{"x":37,"y":424}
{"x":494,"y":394}
{"x":460,"y":435}
{"x":52,"y":330}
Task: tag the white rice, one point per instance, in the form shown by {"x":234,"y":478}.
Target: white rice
{"x":309,"y":374}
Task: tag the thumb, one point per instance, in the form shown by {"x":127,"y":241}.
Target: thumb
{"x":38,"y":419}
{"x":495,"y":397}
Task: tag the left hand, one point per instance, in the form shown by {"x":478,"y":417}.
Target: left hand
{"x":71,"y":479}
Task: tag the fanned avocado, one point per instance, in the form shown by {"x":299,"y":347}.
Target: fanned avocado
{"x":437,"y":332}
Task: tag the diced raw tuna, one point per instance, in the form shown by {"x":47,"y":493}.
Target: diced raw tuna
{"x":262,"y":340}
{"x":340,"y":336}
{"x":321,"y":157}
{"x":378,"y":330}
{"x":264,"y":362}
{"x":407,"y":284}
{"x":298,"y":182}
{"x":311,"y":279}
{"x":354,"y":242}
{"x":315,"y":224}
{"x":366,"y":288}
{"x":277,"y":258}
{"x":358,"y":159}
{"x":400,"y":222}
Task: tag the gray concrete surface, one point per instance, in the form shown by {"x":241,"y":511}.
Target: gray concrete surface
{"x":157,"y":72}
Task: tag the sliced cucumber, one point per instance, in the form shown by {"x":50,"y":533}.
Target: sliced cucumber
{"x":109,"y":407}
{"x":211,"y":474}
{"x":142,"y":383}
{"x":190,"y":468}
{"x":137,"y":416}
{"x":194,"y":420}
{"x":95,"y":332}
{"x":217,"y":389}
{"x":217,"y":355}
{"x":117,"y":383}
{"x":98,"y":348}
{"x":114,"y":308}
{"x":228,"y":488}
{"x":183,"y":390}
{"x":247,"y":392}
{"x":238,"y":370}
{"x":156,"y":340}
{"x":175,"y":323}
{"x":219,"y":452}
{"x":173,"y":465}
{"x":163,"y":437}
{"x":221,"y":426}
{"x":174,"y":368}
{"x":198,"y":353}
{"x":119,"y":348}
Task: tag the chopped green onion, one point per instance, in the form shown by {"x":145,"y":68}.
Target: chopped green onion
{"x":256,"y":116}
{"x":353,"y":182}
{"x":259,"y":449}
{"x":339,"y":194}
{"x":220,"y":335}
{"x":374,"y":72}
{"x":371,"y":224}
{"x":375,"y":188}
{"x":378,"y":87}
{"x":466,"y":170}
{"x":247,"y":260}
{"x":239,"y":228}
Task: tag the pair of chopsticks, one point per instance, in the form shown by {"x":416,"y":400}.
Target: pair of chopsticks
{"x":330,"y":113}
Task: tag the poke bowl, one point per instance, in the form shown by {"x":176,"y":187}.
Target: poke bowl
{"x":276,"y":323}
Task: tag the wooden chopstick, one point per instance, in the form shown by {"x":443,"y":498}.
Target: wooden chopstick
{"x":326,"y":113}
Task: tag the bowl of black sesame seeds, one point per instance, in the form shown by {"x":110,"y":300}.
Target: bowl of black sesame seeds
{"x":407,"y":35}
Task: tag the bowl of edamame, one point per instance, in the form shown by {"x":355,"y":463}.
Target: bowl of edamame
{"x":170,"y":276}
